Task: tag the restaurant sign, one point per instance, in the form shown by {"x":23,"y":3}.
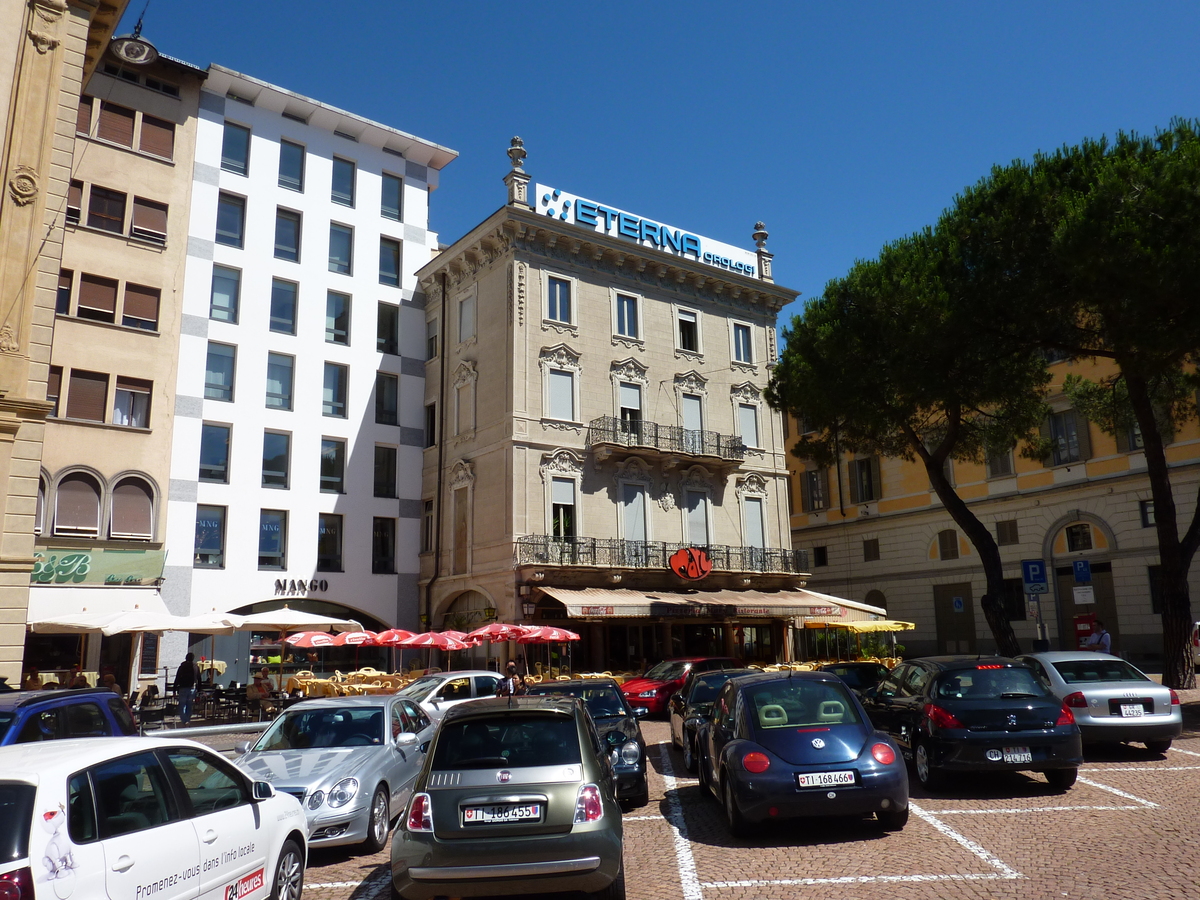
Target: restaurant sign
{"x":690,"y":563}
{"x":596,"y":611}
{"x":74,"y":565}
{"x":817,"y":611}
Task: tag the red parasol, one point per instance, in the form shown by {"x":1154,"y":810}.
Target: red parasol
{"x":356,"y":639}
{"x":547,"y":634}
{"x":392,"y":637}
{"x":434,"y":640}
{"x":498,"y":632}
{"x":310,"y":639}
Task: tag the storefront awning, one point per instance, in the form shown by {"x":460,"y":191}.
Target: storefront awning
{"x":603,"y":603}
{"x":837,"y":609}
{"x":71,"y":609}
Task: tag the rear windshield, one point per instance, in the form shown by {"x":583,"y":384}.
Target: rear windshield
{"x":514,"y":741}
{"x":305,"y":729}
{"x":1085,"y":670}
{"x":603,"y":702}
{"x":1002,"y":682}
{"x":6,"y":719}
{"x":667,"y":671}
{"x":798,"y":703}
{"x":16,"y":811}
{"x":855,"y":676}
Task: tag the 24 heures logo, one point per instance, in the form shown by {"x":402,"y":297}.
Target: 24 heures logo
{"x":245,"y":886}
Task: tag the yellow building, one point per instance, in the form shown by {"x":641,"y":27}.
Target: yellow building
{"x":877,"y":532}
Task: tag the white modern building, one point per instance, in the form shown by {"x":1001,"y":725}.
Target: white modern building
{"x":299,"y":409}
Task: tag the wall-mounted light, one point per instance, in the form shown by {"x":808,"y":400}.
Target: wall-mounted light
{"x":489,"y":612}
{"x":529,"y":608}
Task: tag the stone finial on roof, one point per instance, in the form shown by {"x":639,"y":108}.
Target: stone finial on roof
{"x":760,"y":236}
{"x":517,"y":180}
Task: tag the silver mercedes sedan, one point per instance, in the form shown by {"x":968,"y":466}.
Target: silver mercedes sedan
{"x":1112,"y":700}
{"x":350,"y":761}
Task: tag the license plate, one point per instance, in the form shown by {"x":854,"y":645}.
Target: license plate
{"x":1132,"y":709}
{"x":1017,"y":755}
{"x":823,"y":779}
{"x":501,"y":813}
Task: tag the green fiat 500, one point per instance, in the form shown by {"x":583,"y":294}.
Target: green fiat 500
{"x":516,"y":797}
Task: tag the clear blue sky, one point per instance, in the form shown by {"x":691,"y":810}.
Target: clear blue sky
{"x":840,"y":125}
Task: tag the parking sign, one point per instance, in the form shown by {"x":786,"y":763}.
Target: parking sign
{"x":1083,"y":570}
{"x":1033,"y":574}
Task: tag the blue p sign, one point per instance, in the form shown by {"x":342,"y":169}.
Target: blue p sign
{"x":1083,"y":570}
{"x":1033,"y":574}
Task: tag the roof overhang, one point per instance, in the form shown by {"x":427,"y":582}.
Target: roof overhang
{"x":622,"y":603}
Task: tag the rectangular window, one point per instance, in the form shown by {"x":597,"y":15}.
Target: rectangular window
{"x":231,"y":220}
{"x":389,"y":262}
{"x":149,"y":220}
{"x":279,"y":381}
{"x":62,"y":303}
{"x":74,"y":202}
{"x":1068,"y":437}
{"x":633,"y":511}
{"x":462,"y":531}
{"x":697,"y":518}
{"x":106,"y":210}
{"x":329,"y":543}
{"x":387,"y":329}
{"x":210,"y":537}
{"x":871,"y":550}
{"x":341,"y":248}
{"x":562,"y":507}
{"x":272,"y":539}
{"x":387,"y":399}
{"x":97,"y":298}
{"x":558,"y":299}
{"x":755,"y":523}
{"x":54,"y":388}
{"x":226,"y":291}
{"x":235,"y":149}
{"x":630,"y":400}
{"x":333,"y":397}
{"x":343,"y":182}
{"x":158,"y":137}
{"x":466,"y":318}
{"x":140,"y":309}
{"x":1006,"y":533}
{"x":864,"y":480}
{"x":427,"y":527}
{"x":748,"y":424}
{"x":287,"y":235}
{"x":337,"y":318}
{"x":115,"y":124}
{"x":87,"y":396}
{"x":743,"y":349}
{"x":431,"y":339}
{"x":948,"y":544}
{"x":393,"y":190}
{"x":333,"y":466}
{"x":1079,"y":537}
{"x":291,"y":166}
{"x":688,"y":331}
{"x":627,"y":316}
{"x":999,"y":464}
{"x":219,"y":372}
{"x":820,"y":556}
{"x":385,"y":471}
{"x":214,"y":453}
{"x":1154,"y":580}
{"x":1146,"y":508}
{"x":276,"y":459}
{"x":693,"y":423}
{"x":383,"y":546}
{"x":283,"y":306}
{"x":814,"y":489}
{"x":83,"y":118}
{"x":1014,"y":600}
{"x":131,"y":402}
{"x":431,"y":425}
{"x":562,"y":395}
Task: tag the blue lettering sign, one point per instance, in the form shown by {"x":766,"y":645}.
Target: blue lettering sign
{"x":608,"y":213}
{"x":627,"y":226}
{"x":585,"y":213}
{"x":650,"y":233}
{"x":671,"y":239}
{"x":691,"y":244}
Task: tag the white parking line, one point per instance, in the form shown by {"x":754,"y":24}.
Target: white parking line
{"x":1112,"y":790}
{"x":1188,"y":752}
{"x":1005,"y":870}
{"x":858,"y":879}
{"x":1143,"y":769}
{"x":1030,"y":809}
{"x":684,"y":860}
{"x":644,"y":819}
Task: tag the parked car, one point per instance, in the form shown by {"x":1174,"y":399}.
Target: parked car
{"x":137,"y":817}
{"x":516,"y":797}
{"x":655,"y":688}
{"x":27,"y":716}
{"x":351,"y":761}
{"x":1110,"y":699}
{"x":617,"y":726}
{"x":1196,"y":644}
{"x":439,"y":691}
{"x":690,"y":707}
{"x":859,"y":676}
{"x":976,"y":714}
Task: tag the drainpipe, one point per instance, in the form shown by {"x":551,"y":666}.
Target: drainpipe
{"x":437,"y":500}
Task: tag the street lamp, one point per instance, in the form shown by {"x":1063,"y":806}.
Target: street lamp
{"x":529,"y":608}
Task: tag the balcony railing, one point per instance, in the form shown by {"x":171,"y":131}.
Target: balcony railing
{"x":546,"y":550}
{"x":664,"y":438}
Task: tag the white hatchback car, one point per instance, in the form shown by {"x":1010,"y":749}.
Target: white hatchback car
{"x":438,"y":691}
{"x":138,"y":818}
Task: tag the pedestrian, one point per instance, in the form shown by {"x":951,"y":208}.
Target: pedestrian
{"x":187,"y":677}
{"x":1099,"y":640}
{"x":514,"y":685}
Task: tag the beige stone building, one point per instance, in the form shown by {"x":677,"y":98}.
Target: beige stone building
{"x":877,"y":532}
{"x":593,"y":407}
{"x":52,"y":48}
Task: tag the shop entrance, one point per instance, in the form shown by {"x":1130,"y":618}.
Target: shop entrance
{"x":1072,"y":601}
{"x":954,"y":611}
{"x":115,"y":658}
{"x":755,"y":643}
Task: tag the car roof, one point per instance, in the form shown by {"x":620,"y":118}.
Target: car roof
{"x":492,"y":706}
{"x":965,"y":662}
{"x":1053,"y":656}
{"x":44,"y":759}
{"x":460,"y":673}
{"x":574,"y":682}
{"x":367,"y":700}
{"x":723,"y":673}
{"x":790,"y":675}
{"x":18,"y":699}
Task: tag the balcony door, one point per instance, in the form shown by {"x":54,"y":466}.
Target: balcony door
{"x":633,"y":521}
{"x":697,"y":518}
{"x":693,"y":423}
{"x":631,"y":412}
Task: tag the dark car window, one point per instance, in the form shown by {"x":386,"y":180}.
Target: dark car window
{"x":795,"y":703}
{"x":422,"y":686}
{"x":304,"y":729}
{"x":6,"y":719}
{"x":602,"y":701}
{"x":85,"y":720}
{"x":415,"y":717}
{"x":724,"y":707}
{"x":42,"y":725}
{"x":132,"y":794}
{"x":81,"y":809}
{"x":890,"y":685}
{"x":989,"y":683}
{"x":121,"y":713}
{"x":667,"y":671}
{"x":16,"y":815}
{"x":915,"y":682}
{"x":485,"y":685}
{"x":516,"y":741}
{"x":1076,"y":671}
{"x":211,"y":784}
{"x":704,"y":690}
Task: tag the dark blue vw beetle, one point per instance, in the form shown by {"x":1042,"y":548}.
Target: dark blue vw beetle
{"x":793,"y":744}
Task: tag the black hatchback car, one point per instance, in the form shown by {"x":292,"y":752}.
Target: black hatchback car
{"x":976,"y":714}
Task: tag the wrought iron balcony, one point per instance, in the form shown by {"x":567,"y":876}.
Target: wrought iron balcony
{"x":609,"y":433}
{"x":612,"y":553}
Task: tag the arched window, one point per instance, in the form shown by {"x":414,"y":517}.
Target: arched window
{"x":132,"y":511}
{"x":77,"y":506}
{"x":948,"y":544}
{"x":39,"y":516}
{"x":876,"y":598}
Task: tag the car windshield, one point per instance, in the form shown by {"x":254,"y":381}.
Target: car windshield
{"x":990,"y":683}
{"x":668,"y":670}
{"x":705,"y":689}
{"x":309,"y":729}
{"x":16,"y":814}
{"x":799,"y":703}
{"x":603,"y":702}
{"x":6,"y":719}
{"x":517,"y":741}
{"x":1084,"y":670}
{"x":422,"y":686}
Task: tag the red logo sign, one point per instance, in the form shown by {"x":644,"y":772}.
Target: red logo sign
{"x":691,"y":563}
{"x":245,"y":886}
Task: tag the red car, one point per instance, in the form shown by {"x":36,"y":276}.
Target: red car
{"x":655,"y":688}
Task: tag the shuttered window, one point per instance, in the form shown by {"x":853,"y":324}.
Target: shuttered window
{"x":131,"y":402}
{"x":141,"y":307}
{"x":748,"y":424}
{"x":132,"y":511}
{"x":116,"y":124}
{"x":97,"y":298}
{"x":158,"y":137}
{"x":54,"y":387}
{"x":948,"y":544}
{"x":83,"y":119}
{"x":562,"y":395}
{"x":87,"y":395}
{"x":74,"y":202}
{"x":149,"y":220}
{"x":106,"y":210}
{"x":62,"y":303}
{"x":77,"y":506}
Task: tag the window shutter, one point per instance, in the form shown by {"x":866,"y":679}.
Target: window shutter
{"x":54,"y":382}
{"x":876,"y":484}
{"x":75,"y":197}
{"x":1083,"y":435}
{"x":158,"y":137}
{"x":1123,"y":440}
{"x":806,"y":490}
{"x":1047,"y":437}
{"x":77,"y":506}
{"x":824,"y":501}
{"x":132,"y":511}
{"x":141,"y":302}
{"x":83,"y":119}
{"x":116,"y":124}
{"x":852,"y":471}
{"x":149,"y":219}
{"x":87,"y":396}
{"x":98,"y":294}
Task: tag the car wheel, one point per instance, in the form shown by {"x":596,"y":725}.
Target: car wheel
{"x":738,"y":826}
{"x":1158,"y":746}
{"x":689,"y":755}
{"x":892,"y":819}
{"x":289,"y":873}
{"x":1062,"y":779}
{"x":615,"y":889}
{"x":929,"y":777}
{"x":378,"y":822}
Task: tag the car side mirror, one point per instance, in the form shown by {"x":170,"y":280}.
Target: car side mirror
{"x":640,"y":712}
{"x":406,"y":739}
{"x":262,"y":790}
{"x":242,"y":748}
{"x":869,"y":693}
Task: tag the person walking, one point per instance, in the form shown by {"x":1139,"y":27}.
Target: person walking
{"x":187,"y":677}
{"x":514,"y":684}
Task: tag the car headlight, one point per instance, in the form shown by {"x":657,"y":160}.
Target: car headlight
{"x":631,"y":753}
{"x":343,"y":792}
{"x":648,"y":694}
{"x":316,"y":799}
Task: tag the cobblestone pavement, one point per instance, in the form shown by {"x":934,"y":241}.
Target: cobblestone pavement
{"x":1127,"y":829}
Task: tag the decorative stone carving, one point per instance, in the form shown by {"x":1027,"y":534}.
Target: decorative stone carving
{"x":559,"y":425}
{"x":667,"y":499}
{"x":753,"y":485}
{"x":462,"y":474}
{"x":560,"y":328}
{"x":629,"y":370}
{"x":465,"y":374}
{"x":517,"y":180}
{"x":772,"y":349}
{"x":745,"y":393}
{"x":8,"y":340}
{"x":561,"y":462}
{"x":49,"y":11}
{"x":23,"y":186}
{"x":692,"y":383}
{"x":560,"y":356}
{"x":696,"y":478}
{"x":633,"y":469}
{"x":619,"y":340}
{"x":738,"y":366}
{"x":689,"y":355}
{"x":42,"y":42}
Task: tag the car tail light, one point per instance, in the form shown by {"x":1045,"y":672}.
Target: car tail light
{"x":588,"y":805}
{"x":17,"y":885}
{"x":990,"y":666}
{"x":420,"y":813}
{"x":884,"y":754}
{"x":940,"y":718}
{"x":756,"y":762}
{"x":1174,"y":698}
{"x":1076,"y":700}
{"x":1066,"y":717}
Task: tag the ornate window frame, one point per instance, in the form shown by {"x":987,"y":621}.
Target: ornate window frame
{"x":561,"y":463}
{"x":639,"y":304}
{"x":466,"y":377}
{"x":462,"y":477}
{"x":754,"y":485}
{"x":691,"y":382}
{"x":470,"y":293}
{"x":698,"y":353}
{"x":632,"y":372}
{"x":572,"y":325}
{"x":560,"y":358}
{"x":737,"y":364}
{"x":746,"y":394}
{"x":636,"y":472}
{"x":697,"y":479}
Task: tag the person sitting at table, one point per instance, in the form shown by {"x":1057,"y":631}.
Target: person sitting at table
{"x":258,"y":692}
{"x":78,"y":681}
{"x":33,"y":681}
